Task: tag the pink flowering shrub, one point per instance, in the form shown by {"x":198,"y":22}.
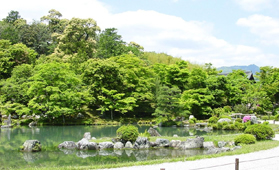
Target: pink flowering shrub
{"x":246,"y":118}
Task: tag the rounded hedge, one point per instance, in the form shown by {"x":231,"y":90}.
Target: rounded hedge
{"x":127,"y":133}
{"x":261,"y":131}
{"x":213,"y":119}
{"x":245,"y":139}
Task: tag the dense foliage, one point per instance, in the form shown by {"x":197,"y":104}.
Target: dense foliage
{"x":261,"y":131}
{"x":128,"y":133}
{"x":59,"y":68}
{"x":245,"y":139}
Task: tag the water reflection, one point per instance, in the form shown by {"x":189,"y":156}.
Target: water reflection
{"x":51,"y":136}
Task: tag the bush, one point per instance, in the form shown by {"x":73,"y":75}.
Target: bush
{"x":219,"y":125}
{"x":276,"y":117}
{"x":241,"y":108}
{"x":264,"y":117}
{"x":245,"y":139}
{"x":227,"y":109}
{"x":213,"y":119}
{"x":238,"y":120}
{"x":261,"y":131}
{"x":239,"y":126}
{"x":246,"y":119}
{"x":128,"y":133}
{"x":214,"y":126}
{"x":193,"y":120}
{"x":224,"y":116}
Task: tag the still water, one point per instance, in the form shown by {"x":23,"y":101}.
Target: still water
{"x":51,"y":136}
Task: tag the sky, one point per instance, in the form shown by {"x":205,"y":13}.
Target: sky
{"x":221,"y":32}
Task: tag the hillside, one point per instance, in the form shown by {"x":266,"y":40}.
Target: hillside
{"x":251,"y":67}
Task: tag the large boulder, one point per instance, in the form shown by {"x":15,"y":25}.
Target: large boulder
{"x":175,"y":143}
{"x":254,"y":120}
{"x":224,"y":120}
{"x":141,"y":143}
{"x":192,"y":143}
{"x":32,"y":146}
{"x":153,"y":132}
{"x":208,"y":145}
{"x":84,"y":144}
{"x":118,"y":145}
{"x":106,"y":145}
{"x":67,"y":145}
{"x":129,"y":145}
{"x":162,"y":142}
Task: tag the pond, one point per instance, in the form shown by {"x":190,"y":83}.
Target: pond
{"x":51,"y":136}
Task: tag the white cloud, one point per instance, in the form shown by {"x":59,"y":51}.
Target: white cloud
{"x":190,"y":40}
{"x":265,"y":27}
{"x":254,"y":5}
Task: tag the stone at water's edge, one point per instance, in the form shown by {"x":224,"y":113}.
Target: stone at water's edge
{"x":208,"y":145}
{"x":106,"y":145}
{"x":129,"y":145}
{"x":141,"y":143}
{"x":153,"y":132}
{"x":175,"y":143}
{"x":192,"y":143}
{"x":84,"y":144}
{"x":32,"y":146}
{"x":162,"y":142}
{"x":118,"y":145}
{"x":67,"y":145}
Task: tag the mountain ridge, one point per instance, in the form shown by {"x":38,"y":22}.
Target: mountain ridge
{"x":228,"y":69}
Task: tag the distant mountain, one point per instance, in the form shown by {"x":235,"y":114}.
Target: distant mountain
{"x":251,"y":67}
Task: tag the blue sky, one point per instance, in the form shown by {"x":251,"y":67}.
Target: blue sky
{"x":222,"y":32}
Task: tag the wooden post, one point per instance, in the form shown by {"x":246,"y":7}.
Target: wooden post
{"x":236,"y":164}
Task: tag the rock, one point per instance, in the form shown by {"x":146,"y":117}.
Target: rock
{"x":175,"y":135}
{"x":153,"y":144}
{"x":8,"y":122}
{"x":114,"y":140}
{"x":224,"y":120}
{"x":192,"y":143}
{"x":4,"y":116}
{"x":254,"y":120}
{"x":93,"y":138}
{"x":87,"y":135}
{"x":175,"y":143}
{"x":155,"y":126}
{"x":191,"y":117}
{"x":67,"y":145}
{"x":128,"y":145}
{"x":225,"y":149}
{"x":162,"y":142}
{"x":33,"y":123}
{"x":141,"y":143}
{"x":118,"y":145}
{"x":80,"y":116}
{"x":32,"y":146}
{"x":236,"y":147}
{"x":153,"y":132}
{"x":208,"y":145}
{"x":106,"y":145}
{"x":84,"y":144}
{"x":37,"y":117}
{"x":221,"y":144}
{"x":23,"y":117}
{"x":15,"y":117}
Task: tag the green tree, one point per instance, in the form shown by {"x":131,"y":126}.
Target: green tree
{"x":12,"y":17}
{"x":167,"y":102}
{"x":197,"y":102}
{"x":55,"y":90}
{"x":79,"y":36}
{"x":110,"y":44}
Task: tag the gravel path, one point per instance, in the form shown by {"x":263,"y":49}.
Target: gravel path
{"x":262,"y":160}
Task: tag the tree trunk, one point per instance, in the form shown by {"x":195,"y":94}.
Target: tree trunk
{"x":111,"y":114}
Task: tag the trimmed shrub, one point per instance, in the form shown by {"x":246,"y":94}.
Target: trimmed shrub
{"x":264,"y":117}
{"x":245,"y":139}
{"x":227,"y":109}
{"x":193,"y":120}
{"x":214,"y":126}
{"x":238,"y":120}
{"x":261,"y":131}
{"x":213,"y":119}
{"x":239,"y":126}
{"x":276,"y":117}
{"x":224,"y":116}
{"x":128,"y":133}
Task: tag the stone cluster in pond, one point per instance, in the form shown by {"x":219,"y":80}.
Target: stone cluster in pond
{"x":142,"y":143}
